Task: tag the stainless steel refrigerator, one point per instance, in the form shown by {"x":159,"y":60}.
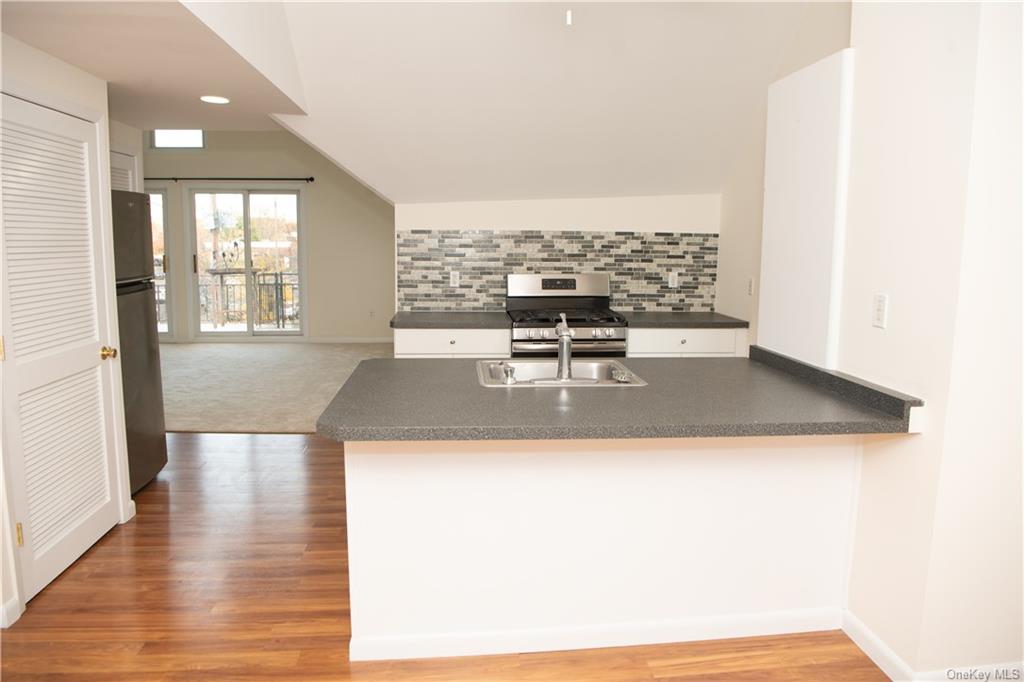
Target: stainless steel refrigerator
{"x":140,"y":347}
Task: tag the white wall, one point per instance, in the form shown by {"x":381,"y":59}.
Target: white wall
{"x":669,"y":213}
{"x":806,"y":177}
{"x":824,"y":28}
{"x":934,"y":221}
{"x":982,"y":449}
{"x":348,"y":230}
{"x":38,"y":77}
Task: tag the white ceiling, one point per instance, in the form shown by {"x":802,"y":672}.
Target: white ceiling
{"x":465,"y":101}
{"x":475,"y":101}
{"x":158,"y":59}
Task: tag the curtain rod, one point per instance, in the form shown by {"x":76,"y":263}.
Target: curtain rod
{"x":309,"y":179}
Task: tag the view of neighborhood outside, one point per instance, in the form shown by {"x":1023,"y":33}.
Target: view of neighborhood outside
{"x":268,"y":289}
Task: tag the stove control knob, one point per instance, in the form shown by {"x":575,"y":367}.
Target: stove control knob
{"x":530,"y":333}
{"x":595,"y":332}
{"x":545,"y":333}
{"x":609,"y":333}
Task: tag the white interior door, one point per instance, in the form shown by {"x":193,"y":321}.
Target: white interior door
{"x":60,"y":416}
{"x":122,"y":172}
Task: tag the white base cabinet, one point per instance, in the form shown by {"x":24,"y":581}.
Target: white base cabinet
{"x":453,"y":343}
{"x":686,"y":343}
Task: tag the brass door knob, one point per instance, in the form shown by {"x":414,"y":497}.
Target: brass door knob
{"x":106,"y":352}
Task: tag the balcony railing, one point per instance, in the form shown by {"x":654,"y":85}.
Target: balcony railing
{"x":275,"y":302}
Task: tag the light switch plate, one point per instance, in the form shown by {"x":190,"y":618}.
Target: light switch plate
{"x":453,"y":278}
{"x":673,"y":280}
{"x":880,"y":314}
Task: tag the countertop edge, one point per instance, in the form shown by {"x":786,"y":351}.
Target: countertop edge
{"x":451,"y":320}
{"x":851,"y":388}
{"x":497,"y":319}
{"x":883,"y":426}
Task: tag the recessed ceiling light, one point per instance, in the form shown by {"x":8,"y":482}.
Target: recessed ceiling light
{"x":215,"y":99}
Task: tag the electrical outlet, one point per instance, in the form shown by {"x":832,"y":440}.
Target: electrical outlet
{"x":373,"y":314}
{"x":673,"y":280}
{"x":454,"y":278}
{"x":750,"y":286}
{"x":880,"y":314}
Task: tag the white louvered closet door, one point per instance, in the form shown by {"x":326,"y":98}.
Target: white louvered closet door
{"x":59,"y":416}
{"x":122,"y":172}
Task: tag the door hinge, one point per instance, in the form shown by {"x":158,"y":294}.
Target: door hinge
{"x":195,"y":263}
{"x":21,"y":535}
{"x":3,"y":356}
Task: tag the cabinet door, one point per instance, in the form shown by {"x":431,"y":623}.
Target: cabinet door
{"x":681,"y":342}
{"x":493,"y":343}
{"x":61,"y":409}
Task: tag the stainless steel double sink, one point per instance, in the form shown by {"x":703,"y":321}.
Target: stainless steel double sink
{"x":543,"y":373}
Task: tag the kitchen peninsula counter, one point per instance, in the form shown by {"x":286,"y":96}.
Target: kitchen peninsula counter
{"x":518,"y":519}
{"x":765,"y":395}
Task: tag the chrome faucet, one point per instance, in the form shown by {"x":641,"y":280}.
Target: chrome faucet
{"x":564,"y":349}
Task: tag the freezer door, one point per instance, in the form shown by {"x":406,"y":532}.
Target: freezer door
{"x":143,"y":389}
{"x":133,"y":236}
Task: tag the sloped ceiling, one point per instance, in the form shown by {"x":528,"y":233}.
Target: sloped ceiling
{"x":475,"y":101}
{"x":158,"y":59}
{"x":465,"y":101}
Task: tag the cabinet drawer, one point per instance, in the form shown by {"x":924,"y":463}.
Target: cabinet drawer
{"x":681,"y":341}
{"x":481,"y":342}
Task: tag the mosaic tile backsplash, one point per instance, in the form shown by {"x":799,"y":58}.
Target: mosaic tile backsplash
{"x":639,"y":264}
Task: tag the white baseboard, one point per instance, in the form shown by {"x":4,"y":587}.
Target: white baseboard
{"x":900,"y":671}
{"x":369,"y":648}
{"x":877,"y":650}
{"x":350,"y":339}
{"x":11,"y":612}
{"x":294,"y":338}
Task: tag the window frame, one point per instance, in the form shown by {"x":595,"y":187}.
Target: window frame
{"x":151,"y":138}
{"x":245,"y":188}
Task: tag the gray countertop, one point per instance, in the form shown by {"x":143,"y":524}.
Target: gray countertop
{"x":451,"y":320}
{"x":695,"y":320}
{"x":407,"y":399}
{"x":499,"y":320}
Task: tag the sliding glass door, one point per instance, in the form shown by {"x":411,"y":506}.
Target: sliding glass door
{"x":246,"y":263}
{"x":158,"y":220}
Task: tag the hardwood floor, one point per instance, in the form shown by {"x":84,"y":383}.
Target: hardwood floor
{"x":235,"y":569}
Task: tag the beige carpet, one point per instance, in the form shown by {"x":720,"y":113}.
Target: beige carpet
{"x":255,"y":387}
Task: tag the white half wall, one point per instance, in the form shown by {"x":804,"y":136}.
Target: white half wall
{"x":465,"y":548}
{"x":669,"y":213}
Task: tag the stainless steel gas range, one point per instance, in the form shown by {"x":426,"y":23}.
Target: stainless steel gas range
{"x":535,"y":303}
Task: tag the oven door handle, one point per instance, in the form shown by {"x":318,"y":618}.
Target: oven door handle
{"x":548,"y":346}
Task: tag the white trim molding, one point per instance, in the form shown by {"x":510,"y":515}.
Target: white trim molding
{"x":876,"y":649}
{"x":369,"y":648}
{"x":12,"y":610}
{"x":900,"y":671}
